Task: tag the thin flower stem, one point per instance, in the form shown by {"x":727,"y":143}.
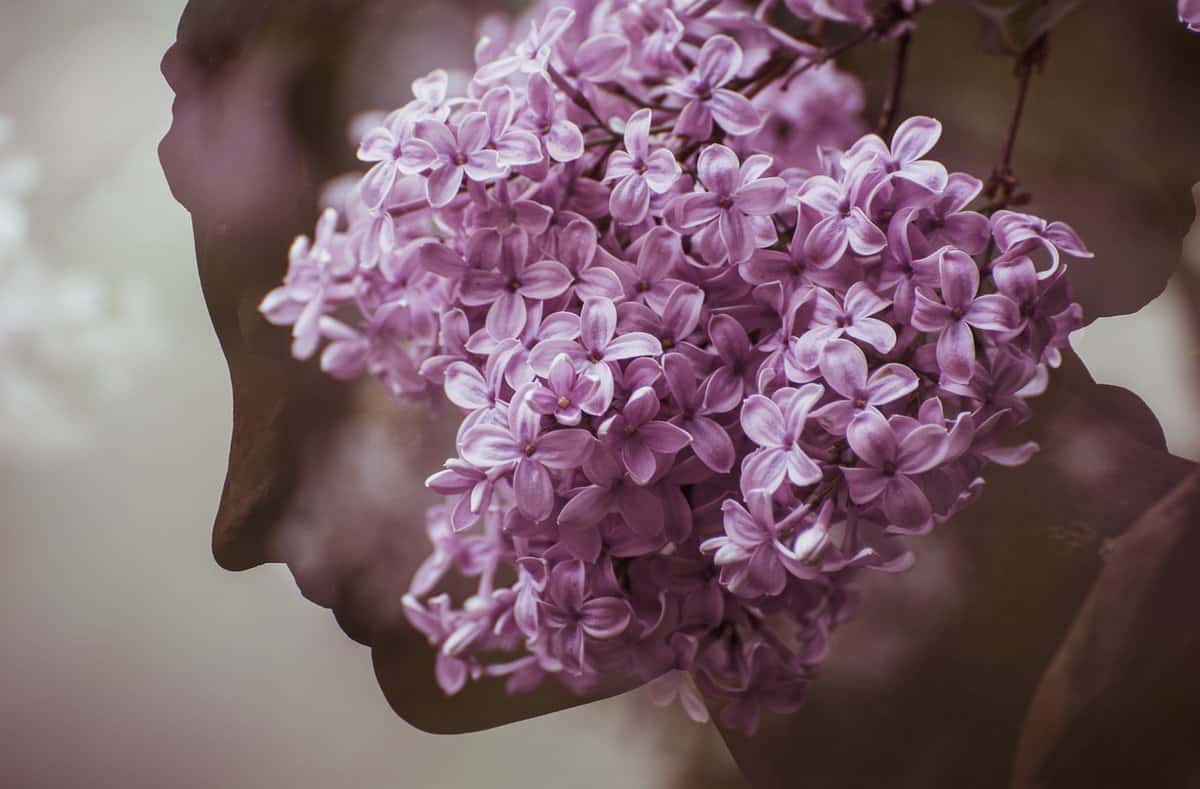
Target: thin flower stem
{"x":599,"y":142}
{"x":1002,"y":187}
{"x":619,"y":90}
{"x":775,"y":68}
{"x":411,"y":207}
{"x":891,"y":104}
{"x":795,"y":516}
{"x":701,"y":7}
{"x":576,"y":96}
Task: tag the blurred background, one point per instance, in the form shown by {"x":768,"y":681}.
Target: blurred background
{"x":130,"y":658}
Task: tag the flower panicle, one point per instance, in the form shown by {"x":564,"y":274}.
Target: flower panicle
{"x":715,"y":352}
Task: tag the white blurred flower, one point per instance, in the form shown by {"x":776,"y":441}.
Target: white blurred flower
{"x":69,"y":336}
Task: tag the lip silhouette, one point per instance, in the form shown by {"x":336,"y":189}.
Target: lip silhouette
{"x":240,"y":158}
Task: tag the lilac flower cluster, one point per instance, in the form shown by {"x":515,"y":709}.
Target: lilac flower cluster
{"x":701,"y":386}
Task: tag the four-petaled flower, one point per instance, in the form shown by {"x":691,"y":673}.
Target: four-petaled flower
{"x":912,"y":140}
{"x":532,"y":453}
{"x":777,"y":425}
{"x":960,"y":310}
{"x":451,"y":155}
{"x":844,"y":367}
{"x":844,"y":225}
{"x":852,"y":317}
{"x":733,"y":213}
{"x":576,"y":615}
{"x":512,"y":282}
{"x":639,"y":437}
{"x":532,"y":55}
{"x":566,"y":394}
{"x":892,"y":452}
{"x":718,"y":63}
{"x":598,"y":347}
{"x":639,"y":171}
{"x":546,"y":118}
{"x":1020,"y":234}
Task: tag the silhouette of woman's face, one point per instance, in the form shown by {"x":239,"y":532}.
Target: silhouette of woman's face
{"x":322,"y":476}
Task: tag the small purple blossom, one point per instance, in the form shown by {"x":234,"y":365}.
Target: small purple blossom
{"x":452,"y":155}
{"x":533,"y":454}
{"x":844,"y":367}
{"x":890,"y":459}
{"x":709,"y":100}
{"x":776,"y":424}
{"x":639,"y":171}
{"x":961,"y":310}
{"x":737,"y":202}
{"x":577,"y":616}
{"x":640,"y":438}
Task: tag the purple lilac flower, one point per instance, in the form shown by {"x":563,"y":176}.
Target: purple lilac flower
{"x":902,"y":159}
{"x":514,"y":282}
{"x":1021,"y":234}
{"x":598,"y":347}
{"x":844,"y":225}
{"x":736,"y":204}
{"x":532,"y":453}
{"x":639,"y":171}
{"x":727,"y":384}
{"x":318,"y":279}
{"x":451,"y":155}
{"x":566,"y":394}
{"x":673,"y":323}
{"x":612,"y":490}
{"x":946,"y":222}
{"x":651,"y":280}
{"x":718,"y":63}
{"x":776,"y":424}
{"x":961,"y":310}
{"x":640,"y":438}
{"x":902,"y":272}
{"x":576,"y":248}
{"x":851,"y":317}
{"x":753,"y":560}
{"x":890,"y":459}
{"x":844,"y":367}
{"x":710,"y":441}
{"x":546,"y":118}
{"x":576,"y":616}
{"x":793,"y":268}
{"x":514,"y":147}
{"x":533,"y":53}
{"x":704,"y":378}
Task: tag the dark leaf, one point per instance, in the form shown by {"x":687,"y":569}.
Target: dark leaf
{"x":1120,"y":704}
{"x":1012,"y":27}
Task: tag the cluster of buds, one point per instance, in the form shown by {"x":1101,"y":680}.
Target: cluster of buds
{"x":705,"y":379}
